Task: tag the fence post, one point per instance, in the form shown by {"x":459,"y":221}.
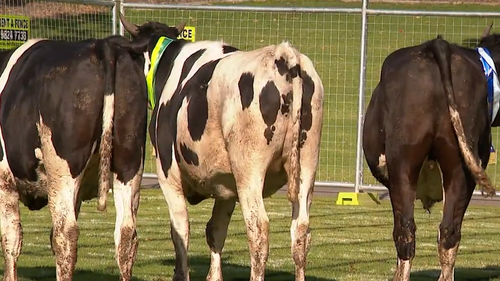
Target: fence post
{"x":114,"y":15}
{"x":361,"y":103}
{"x":117,"y":8}
{"x":122,"y":31}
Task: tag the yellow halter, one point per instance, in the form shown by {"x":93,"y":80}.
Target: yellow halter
{"x":160,"y":47}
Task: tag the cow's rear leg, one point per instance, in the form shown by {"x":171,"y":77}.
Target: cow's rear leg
{"x":299,"y":231}
{"x":216,"y":233}
{"x":458,"y":189}
{"x":63,"y":192}
{"x":126,"y":196}
{"x":179,"y":219}
{"x":402,"y":196}
{"x":250,"y":185}
{"x":62,"y":199}
{"x":403,"y":177}
{"x":51,"y":236}
{"x":10,"y":224}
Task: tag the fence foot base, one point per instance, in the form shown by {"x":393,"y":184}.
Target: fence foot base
{"x":353,"y":198}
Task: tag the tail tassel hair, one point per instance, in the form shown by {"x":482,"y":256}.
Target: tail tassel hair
{"x":285,"y":52}
{"x":442,"y":54}
{"x":108,"y":112}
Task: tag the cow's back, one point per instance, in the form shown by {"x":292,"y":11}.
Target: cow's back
{"x":411,"y":85}
{"x":60,"y":87}
{"x":247,"y":104}
{"x":62,"y":84}
{"x":408,"y":115}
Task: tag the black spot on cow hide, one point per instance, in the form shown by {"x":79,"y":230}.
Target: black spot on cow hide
{"x":166,"y":132}
{"x":189,"y":155}
{"x":228,"y":49}
{"x":246,"y":89}
{"x":188,"y":64}
{"x":294,"y":71}
{"x":303,"y":138}
{"x":306,"y":111}
{"x":196,"y":91}
{"x":287,"y":101}
{"x":283,"y":69}
{"x":166,"y":64}
{"x":152,"y":128}
{"x":177,"y":154}
{"x":167,"y":115}
{"x":281,"y":65}
{"x":269,"y":105}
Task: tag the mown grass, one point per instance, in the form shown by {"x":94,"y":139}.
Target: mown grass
{"x":331,"y":40}
{"x":348,"y":243}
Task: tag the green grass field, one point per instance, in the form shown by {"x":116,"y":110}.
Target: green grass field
{"x":331,"y":40}
{"x":348,"y":243}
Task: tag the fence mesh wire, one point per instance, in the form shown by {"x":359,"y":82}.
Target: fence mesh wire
{"x":62,"y":21}
{"x":332,"y":42}
{"x":386,"y":33}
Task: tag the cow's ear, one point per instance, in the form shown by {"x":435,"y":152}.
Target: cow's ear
{"x":133,"y":29}
{"x":138,"y":45}
{"x":487,"y":31}
{"x":180,"y":27}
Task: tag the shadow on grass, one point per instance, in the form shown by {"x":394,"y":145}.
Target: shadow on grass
{"x":234,"y":272}
{"x":461,"y":274}
{"x":46,"y":273}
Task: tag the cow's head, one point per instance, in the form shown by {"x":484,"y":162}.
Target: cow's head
{"x":148,"y":39}
{"x":492,"y":43}
{"x":144,"y":37}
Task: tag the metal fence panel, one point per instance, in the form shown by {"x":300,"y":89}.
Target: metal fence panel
{"x":330,"y":39}
{"x":389,"y":32}
{"x":65,"y":21}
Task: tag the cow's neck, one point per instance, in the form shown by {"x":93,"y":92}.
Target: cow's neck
{"x":153,"y":61}
{"x":491,"y":73}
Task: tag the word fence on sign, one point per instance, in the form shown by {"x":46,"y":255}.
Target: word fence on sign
{"x":14,"y":31}
{"x":188,"y":33}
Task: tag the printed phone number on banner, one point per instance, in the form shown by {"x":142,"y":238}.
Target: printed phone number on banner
{"x":13,"y":35}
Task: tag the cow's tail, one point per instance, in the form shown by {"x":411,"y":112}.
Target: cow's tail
{"x":108,"y":112}
{"x":442,"y":54}
{"x":291,"y":57}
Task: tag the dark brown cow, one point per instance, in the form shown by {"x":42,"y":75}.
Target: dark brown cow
{"x":428,"y":121}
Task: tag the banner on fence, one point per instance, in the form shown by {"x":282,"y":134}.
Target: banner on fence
{"x":14,"y":30}
{"x":188,"y":33}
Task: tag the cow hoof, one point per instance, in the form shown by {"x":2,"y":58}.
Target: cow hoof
{"x":180,"y":277}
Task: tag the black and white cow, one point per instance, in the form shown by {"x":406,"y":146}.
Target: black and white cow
{"x":428,"y":125}
{"x":234,"y":126}
{"x":71,"y":113}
